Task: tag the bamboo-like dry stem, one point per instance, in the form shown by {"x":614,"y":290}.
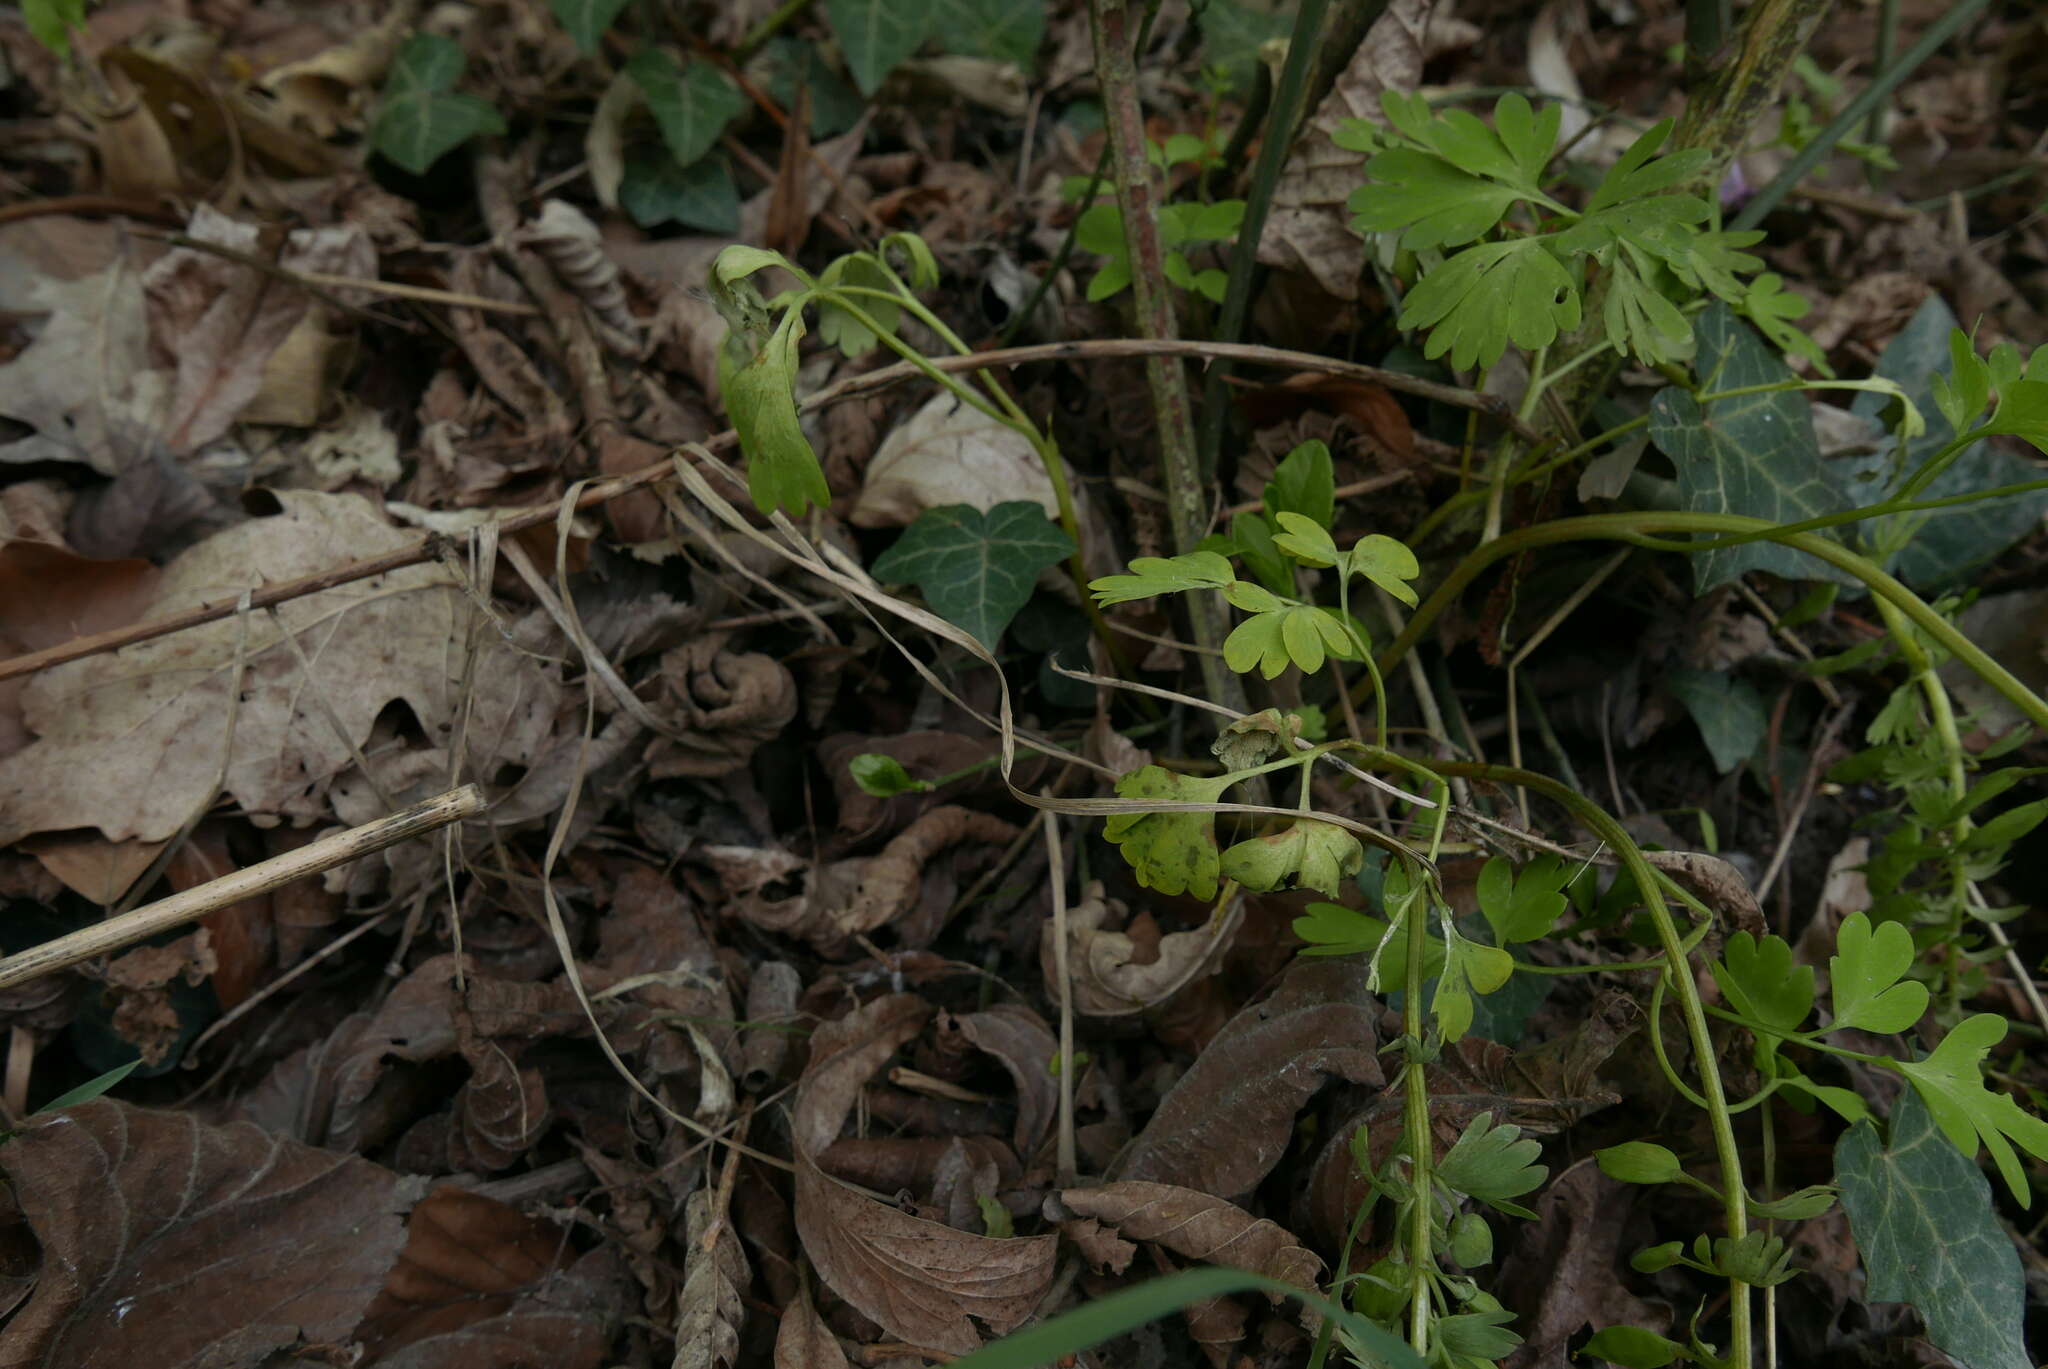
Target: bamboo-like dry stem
{"x":195,"y":903}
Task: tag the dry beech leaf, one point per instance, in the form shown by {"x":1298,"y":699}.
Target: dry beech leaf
{"x":947,"y":453}
{"x":170,"y":1243}
{"x":130,"y":742}
{"x":1228,"y":1120}
{"x":921,"y":1281}
{"x":1200,"y":1227}
{"x":1108,"y":979}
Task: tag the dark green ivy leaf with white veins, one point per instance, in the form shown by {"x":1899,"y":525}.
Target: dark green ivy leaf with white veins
{"x":976,"y":569}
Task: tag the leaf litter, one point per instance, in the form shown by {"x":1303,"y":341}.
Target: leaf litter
{"x":399,"y":1139}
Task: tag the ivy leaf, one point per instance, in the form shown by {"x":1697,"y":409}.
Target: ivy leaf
{"x":1760,"y":979}
{"x":1755,"y":454}
{"x":782,"y":470}
{"x":877,"y":35}
{"x":691,"y":103}
{"x":1866,"y":970}
{"x":1173,"y":853}
{"x":1000,"y":30}
{"x":655,"y":191}
{"x":421,"y":116}
{"x":1951,"y":1082}
{"x":1151,"y":575}
{"x":976,"y":569}
{"x":1493,"y":1164}
{"x":1525,"y":906}
{"x":1728,"y":711}
{"x":1318,"y":855}
{"x":1388,"y":563}
{"x":1487,"y":296}
{"x":1304,"y":483}
{"x":586,"y":20}
{"x":1922,"y":1216}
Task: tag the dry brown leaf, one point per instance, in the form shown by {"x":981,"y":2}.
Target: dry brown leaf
{"x":712,"y":1307}
{"x":803,"y":1341}
{"x":948,"y":453}
{"x":1109,"y":979}
{"x":1200,"y":1227}
{"x":1565,"y":1271}
{"x":466,"y":1257}
{"x":1105,"y":1251}
{"x":1228,"y":1120}
{"x":1309,"y":228}
{"x":921,"y":1281}
{"x":130,"y":742}
{"x":889,"y":1164}
{"x":171,"y":1243}
{"x":90,"y":865}
{"x":889,"y":884}
{"x":83,"y":384}
{"x":215,"y":323}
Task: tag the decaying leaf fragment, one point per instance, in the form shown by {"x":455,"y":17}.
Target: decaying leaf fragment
{"x":724,"y":704}
{"x":1109,"y":979}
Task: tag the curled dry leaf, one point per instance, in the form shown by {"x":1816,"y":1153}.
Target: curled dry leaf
{"x":139,"y":984}
{"x":171,"y":1243}
{"x":1200,"y":1227}
{"x":771,"y":1023}
{"x":1717,"y":882}
{"x":131,"y":742}
{"x":570,"y":242}
{"x":921,"y":1281}
{"x":889,"y":1164}
{"x":721,"y":706}
{"x":1108,"y":979}
{"x":1228,"y":1120}
{"x":948,"y":453}
{"x":890,"y":882}
{"x":1020,"y":1039}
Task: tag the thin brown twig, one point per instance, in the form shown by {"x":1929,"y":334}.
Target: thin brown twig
{"x":603,"y":491}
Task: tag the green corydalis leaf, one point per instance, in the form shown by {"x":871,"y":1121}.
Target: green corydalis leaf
{"x":691,"y":103}
{"x":1151,"y":575}
{"x":1762,"y":983}
{"x":1306,"y":540}
{"x":1386,"y":562}
{"x":1272,"y":639}
{"x":976,"y":569}
{"x":1304,"y":482}
{"x":883,"y":776}
{"x":1306,"y":854}
{"x":1866,"y":970}
{"x":1923,"y":1220}
{"x":1174,"y":853}
{"x":1950,"y":1082}
{"x":1489,"y":295}
{"x":838,"y":325}
{"x":421,"y":116}
{"x":1525,"y":906}
{"x":1632,"y":1347}
{"x":1639,"y":1162}
{"x":782,"y":470}
{"x":1493,"y":1164}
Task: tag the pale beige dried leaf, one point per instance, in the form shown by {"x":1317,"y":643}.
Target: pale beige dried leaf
{"x":889,"y":884}
{"x":1229,"y":1119}
{"x":1309,"y":228}
{"x":1200,"y":1227}
{"x":949,"y":453}
{"x":803,"y":1341}
{"x":79,"y":384}
{"x":921,"y":1281}
{"x":175,"y":1244}
{"x":131,"y":742}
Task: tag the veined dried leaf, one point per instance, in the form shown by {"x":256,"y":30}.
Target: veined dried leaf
{"x":947,"y":453}
{"x":711,"y":1308}
{"x":1200,"y":1227}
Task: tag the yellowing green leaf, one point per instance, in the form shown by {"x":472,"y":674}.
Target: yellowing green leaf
{"x":782,"y":470}
{"x":1386,"y":562}
{"x":1306,"y":854}
{"x":1173,"y":852}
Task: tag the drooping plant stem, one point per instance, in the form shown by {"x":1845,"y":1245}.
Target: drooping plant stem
{"x":1640,"y":528}
{"x":1172,"y":405}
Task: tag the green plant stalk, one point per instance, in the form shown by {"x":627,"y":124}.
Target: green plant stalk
{"x":1285,"y":113}
{"x":1186,"y":492}
{"x":1638,"y":528}
{"x":1734,"y":1197}
{"x":1940,"y":31}
{"x":1718,"y":118}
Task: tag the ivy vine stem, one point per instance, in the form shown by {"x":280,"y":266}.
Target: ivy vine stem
{"x":1734,"y":1197}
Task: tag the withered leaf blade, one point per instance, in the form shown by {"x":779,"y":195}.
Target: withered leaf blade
{"x":1199,"y":1227}
{"x":1227,"y":1121}
{"x":172,"y":1243}
{"x":921,"y":1281}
